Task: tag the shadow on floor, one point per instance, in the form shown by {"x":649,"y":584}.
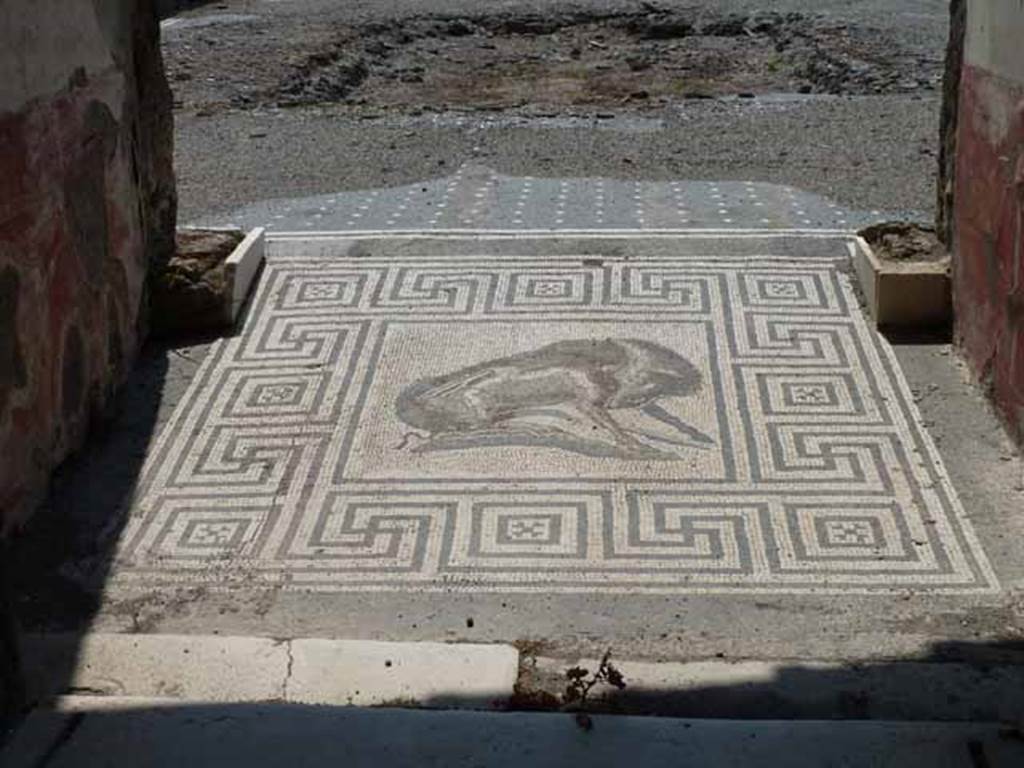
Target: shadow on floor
{"x":165,"y":8}
{"x":52,"y":573}
{"x":125,"y":733}
{"x":938,"y":335}
{"x":952,"y":681}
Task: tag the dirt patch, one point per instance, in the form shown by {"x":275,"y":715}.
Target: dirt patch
{"x":901,"y":241}
{"x":502,"y":61}
{"x":574,"y":60}
{"x":188,"y":296}
{"x":205,"y":247}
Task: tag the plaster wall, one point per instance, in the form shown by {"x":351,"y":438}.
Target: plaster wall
{"x":988,"y":241}
{"x":86,"y":204}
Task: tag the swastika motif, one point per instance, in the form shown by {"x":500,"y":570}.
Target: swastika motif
{"x":558,"y":414}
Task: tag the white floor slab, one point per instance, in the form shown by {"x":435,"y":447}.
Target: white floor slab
{"x":214,"y":669}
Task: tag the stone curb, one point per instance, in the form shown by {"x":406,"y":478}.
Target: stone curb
{"x":903,"y":295}
{"x":369,"y":673}
{"x":240,"y":270}
{"x":250,"y":669}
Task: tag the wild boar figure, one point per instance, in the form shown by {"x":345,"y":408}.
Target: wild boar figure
{"x":594,"y":397}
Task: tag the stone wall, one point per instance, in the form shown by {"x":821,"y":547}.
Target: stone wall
{"x":948,"y":121}
{"x":988,"y":221}
{"x":86,"y":205}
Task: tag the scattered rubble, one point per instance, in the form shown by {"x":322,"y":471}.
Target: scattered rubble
{"x":189,"y":295}
{"x":904,"y":242}
{"x":576,"y":59}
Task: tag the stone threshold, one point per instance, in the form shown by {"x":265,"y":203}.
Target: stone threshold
{"x":215,"y":669}
{"x":212,"y":668}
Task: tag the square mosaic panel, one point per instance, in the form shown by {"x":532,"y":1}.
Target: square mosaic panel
{"x":503,"y":418}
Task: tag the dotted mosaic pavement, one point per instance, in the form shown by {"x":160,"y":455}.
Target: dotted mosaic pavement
{"x":476,"y":197}
{"x":589,"y":413}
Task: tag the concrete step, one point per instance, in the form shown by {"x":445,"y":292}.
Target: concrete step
{"x":212,"y":668}
{"x":219,"y":669}
{"x":113,"y":732}
{"x":805,"y":689}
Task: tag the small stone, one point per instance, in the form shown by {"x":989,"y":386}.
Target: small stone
{"x":377,"y":48}
{"x":459,"y":28}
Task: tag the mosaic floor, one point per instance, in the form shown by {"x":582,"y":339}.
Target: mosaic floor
{"x":671,"y":413}
{"x":477,"y":197}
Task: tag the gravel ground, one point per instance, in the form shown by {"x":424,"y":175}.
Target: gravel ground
{"x":864,"y":153}
{"x":865,"y":135}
